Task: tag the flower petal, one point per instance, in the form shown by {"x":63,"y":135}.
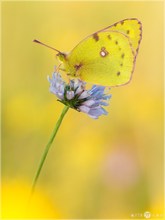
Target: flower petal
{"x":84,"y":109}
{"x":84,"y":95}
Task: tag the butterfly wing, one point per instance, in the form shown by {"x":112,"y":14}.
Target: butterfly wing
{"x":106,"y":58}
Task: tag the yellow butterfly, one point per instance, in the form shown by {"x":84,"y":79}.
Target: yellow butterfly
{"x":106,"y":57}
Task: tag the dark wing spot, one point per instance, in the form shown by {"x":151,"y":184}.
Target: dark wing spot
{"x":115,"y":24}
{"x":121,"y":64}
{"x":122,"y":22}
{"x":103,"y":52}
{"x":96,"y":36}
{"x":109,"y":37}
{"x":118,"y":73}
{"x":122,"y":56}
{"x":116,"y":42}
{"x":128,"y":31}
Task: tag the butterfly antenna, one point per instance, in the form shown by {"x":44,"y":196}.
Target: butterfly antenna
{"x":38,"y":42}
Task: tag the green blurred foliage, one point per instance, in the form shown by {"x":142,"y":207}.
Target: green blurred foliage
{"x":106,"y":168}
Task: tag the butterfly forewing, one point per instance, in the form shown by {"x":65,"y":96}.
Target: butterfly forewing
{"x":132,"y":28}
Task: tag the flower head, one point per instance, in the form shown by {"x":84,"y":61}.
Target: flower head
{"x":76,"y":96}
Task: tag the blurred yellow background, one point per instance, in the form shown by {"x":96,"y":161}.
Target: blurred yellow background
{"x":106,"y":168}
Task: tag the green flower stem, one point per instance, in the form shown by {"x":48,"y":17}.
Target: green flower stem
{"x":48,"y":147}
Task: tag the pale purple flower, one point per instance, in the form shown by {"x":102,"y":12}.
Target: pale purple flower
{"x":76,"y":96}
